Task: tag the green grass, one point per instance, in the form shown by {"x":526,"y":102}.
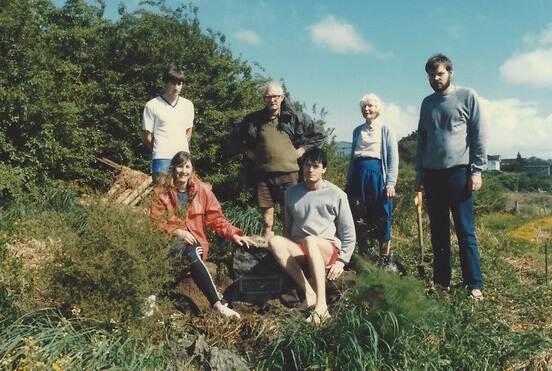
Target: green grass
{"x":383,"y":323}
{"x":45,"y":340}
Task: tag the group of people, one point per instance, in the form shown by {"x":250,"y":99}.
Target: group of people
{"x":319,"y":231}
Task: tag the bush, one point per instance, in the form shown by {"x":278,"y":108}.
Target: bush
{"x":108,"y":270}
{"x":490,"y":198}
{"x":11,"y":184}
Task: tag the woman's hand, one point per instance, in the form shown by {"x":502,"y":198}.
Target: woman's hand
{"x":186,"y":236}
{"x":241,"y":240}
{"x":390,"y":192}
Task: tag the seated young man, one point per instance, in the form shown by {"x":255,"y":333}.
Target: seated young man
{"x":319,"y":232}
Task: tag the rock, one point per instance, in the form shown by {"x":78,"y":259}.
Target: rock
{"x":225,"y":360}
{"x":257,"y":276}
{"x":253,"y":261}
{"x":201,"y":348}
{"x":210,"y":357}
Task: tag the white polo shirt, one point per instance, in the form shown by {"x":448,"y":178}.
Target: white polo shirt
{"x":168,"y":124}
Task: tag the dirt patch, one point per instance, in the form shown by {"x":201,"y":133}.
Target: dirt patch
{"x":525,"y":267}
{"x":34,"y":253}
{"x":258,"y":325}
{"x":523,"y":264}
{"x":541,"y":361}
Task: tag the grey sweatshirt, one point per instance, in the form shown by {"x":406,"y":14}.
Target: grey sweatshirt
{"x":324,"y":213}
{"x":451,"y":132}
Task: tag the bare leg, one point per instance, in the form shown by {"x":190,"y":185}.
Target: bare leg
{"x":319,"y":252}
{"x":268,"y":222}
{"x":385,"y":248}
{"x":288,"y":255}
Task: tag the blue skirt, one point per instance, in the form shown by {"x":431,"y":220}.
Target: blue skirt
{"x":367,"y":184}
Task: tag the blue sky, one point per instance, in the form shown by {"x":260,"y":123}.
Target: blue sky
{"x":333,"y":52}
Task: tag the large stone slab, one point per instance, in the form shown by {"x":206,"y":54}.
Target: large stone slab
{"x":258,"y":277}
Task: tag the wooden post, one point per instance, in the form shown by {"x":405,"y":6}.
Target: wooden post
{"x":546,"y":259}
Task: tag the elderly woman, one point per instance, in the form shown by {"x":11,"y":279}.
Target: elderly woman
{"x":185,"y":209}
{"x":372,"y":175}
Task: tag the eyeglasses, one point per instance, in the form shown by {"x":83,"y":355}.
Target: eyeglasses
{"x":271,"y":97}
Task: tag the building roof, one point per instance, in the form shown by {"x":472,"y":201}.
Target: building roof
{"x":344,"y":144}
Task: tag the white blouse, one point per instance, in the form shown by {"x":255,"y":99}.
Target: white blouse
{"x":369,"y":141}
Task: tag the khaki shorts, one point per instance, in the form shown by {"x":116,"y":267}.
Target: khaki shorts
{"x":271,"y":187}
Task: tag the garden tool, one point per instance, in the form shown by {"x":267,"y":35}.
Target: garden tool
{"x":418,"y":203}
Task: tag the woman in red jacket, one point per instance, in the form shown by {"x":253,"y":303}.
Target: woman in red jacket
{"x":185,"y":209}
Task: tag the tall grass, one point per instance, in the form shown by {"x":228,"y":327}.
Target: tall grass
{"x":389,"y":323}
{"x":45,"y":340}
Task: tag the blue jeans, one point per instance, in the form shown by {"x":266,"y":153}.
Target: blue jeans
{"x":160,"y":165}
{"x":446,"y":190}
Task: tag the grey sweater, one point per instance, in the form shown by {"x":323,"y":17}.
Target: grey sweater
{"x":451,"y":132}
{"x":324,"y":213}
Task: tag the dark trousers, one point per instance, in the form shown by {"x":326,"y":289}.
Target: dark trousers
{"x":189,"y":257}
{"x":448,"y":190}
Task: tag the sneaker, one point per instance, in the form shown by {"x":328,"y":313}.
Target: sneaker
{"x":226,"y":312}
{"x":476,"y":294}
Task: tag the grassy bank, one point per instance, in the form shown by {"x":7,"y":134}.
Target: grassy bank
{"x":384,"y":323}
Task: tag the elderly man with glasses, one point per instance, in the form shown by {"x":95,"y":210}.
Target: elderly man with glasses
{"x":273,"y":139}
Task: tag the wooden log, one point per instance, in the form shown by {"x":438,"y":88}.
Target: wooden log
{"x":110,"y":163}
{"x":123,"y":195}
{"x":142,"y":196}
{"x":141,"y":188}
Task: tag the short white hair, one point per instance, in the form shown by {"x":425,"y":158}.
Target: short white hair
{"x":273,"y":84}
{"x":370,"y":97}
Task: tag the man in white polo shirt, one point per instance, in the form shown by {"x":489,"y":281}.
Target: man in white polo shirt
{"x":167,"y":123}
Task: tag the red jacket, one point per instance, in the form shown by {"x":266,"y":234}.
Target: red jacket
{"x":204,"y":210}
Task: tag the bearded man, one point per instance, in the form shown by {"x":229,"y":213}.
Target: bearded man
{"x":450,"y":157}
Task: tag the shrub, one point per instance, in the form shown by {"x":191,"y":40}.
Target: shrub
{"x":490,"y":198}
{"x":11,"y":184}
{"x":108,"y":270}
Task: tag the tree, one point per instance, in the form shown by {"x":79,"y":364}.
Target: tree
{"x":407,"y":148}
{"x":73,"y":86}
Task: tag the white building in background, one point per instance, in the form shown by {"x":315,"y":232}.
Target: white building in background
{"x":493,"y":162}
{"x":343,"y":149}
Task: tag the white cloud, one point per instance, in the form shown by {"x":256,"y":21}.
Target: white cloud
{"x":341,"y":37}
{"x":544,"y":39}
{"x":403,"y":120}
{"x":513,"y":126}
{"x":533,"y":67}
{"x":248,"y":36}
{"x":517,"y":126}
